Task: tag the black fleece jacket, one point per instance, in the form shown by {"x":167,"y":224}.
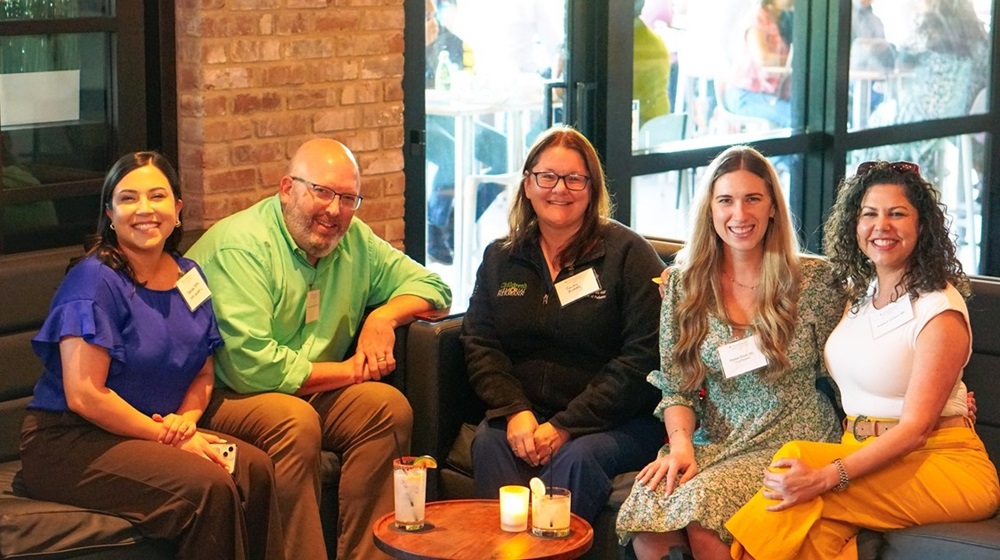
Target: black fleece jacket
{"x":582,"y":366}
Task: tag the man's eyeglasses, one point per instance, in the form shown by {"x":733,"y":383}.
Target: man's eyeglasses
{"x":326,"y":195}
{"x":897,"y":166}
{"x":549,"y":180}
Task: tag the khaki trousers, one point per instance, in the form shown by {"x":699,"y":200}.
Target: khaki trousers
{"x":949,"y":479}
{"x":357,"y":423}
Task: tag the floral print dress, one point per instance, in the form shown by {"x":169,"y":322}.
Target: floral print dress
{"x":742,"y":421}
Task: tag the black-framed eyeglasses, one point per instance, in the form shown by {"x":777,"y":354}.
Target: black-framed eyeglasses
{"x":549,"y":180}
{"x":897,"y":166}
{"x":326,"y":195}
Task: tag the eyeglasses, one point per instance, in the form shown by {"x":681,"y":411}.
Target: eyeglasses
{"x":549,"y":180}
{"x":897,"y":166}
{"x":326,"y":195}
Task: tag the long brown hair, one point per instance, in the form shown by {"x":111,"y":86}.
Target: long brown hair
{"x":700,"y":264}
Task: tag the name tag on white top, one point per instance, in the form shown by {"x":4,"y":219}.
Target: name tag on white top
{"x":741,"y":356}
{"x":891,"y":316}
{"x":193,"y":289}
{"x":581,"y":284}
{"x":312,"y":306}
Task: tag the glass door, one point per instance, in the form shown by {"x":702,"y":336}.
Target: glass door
{"x":492,"y":78}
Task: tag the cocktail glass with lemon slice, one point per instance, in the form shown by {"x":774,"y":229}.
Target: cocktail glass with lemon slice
{"x":550,"y":510}
{"x":409,"y":477}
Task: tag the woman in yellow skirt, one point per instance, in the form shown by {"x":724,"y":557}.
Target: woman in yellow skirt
{"x":909,"y":455}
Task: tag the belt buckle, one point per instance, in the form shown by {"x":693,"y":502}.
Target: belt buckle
{"x":854,"y":429}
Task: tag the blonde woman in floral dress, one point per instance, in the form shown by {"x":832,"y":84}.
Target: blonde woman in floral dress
{"x":728,"y":404}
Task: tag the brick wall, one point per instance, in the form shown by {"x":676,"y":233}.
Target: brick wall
{"x":256,"y":78}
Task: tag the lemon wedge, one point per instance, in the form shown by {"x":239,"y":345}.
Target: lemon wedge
{"x":425,"y":461}
{"x":537,"y":486}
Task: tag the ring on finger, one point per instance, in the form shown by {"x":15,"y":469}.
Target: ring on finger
{"x":381,"y":359}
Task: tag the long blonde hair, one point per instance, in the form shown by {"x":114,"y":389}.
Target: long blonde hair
{"x":524,"y":222}
{"x":700,"y":264}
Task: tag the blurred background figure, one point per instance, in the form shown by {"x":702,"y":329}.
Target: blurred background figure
{"x":942,"y":65}
{"x":650,"y":69}
{"x":757,"y":84}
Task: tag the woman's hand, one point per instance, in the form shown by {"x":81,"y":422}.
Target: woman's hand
{"x":795,"y":484}
{"x":200,"y":445}
{"x":521,"y":428}
{"x":674,"y":469}
{"x":970,"y":401}
{"x":548,"y":440}
{"x":176,"y":428}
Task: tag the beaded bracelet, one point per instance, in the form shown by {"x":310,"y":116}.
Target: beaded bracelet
{"x":675,"y":430}
{"x":842,"y":474}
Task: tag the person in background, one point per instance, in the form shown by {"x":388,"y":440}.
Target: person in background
{"x":865,"y":23}
{"x":560,"y":332}
{"x":294,"y":276}
{"x":943,"y":65}
{"x":743,"y":321}
{"x":909,"y":454}
{"x":650,"y":69}
{"x":757,"y":84}
{"x":127,"y":350}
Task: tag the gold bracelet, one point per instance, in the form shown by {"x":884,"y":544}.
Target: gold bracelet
{"x":841,"y":474}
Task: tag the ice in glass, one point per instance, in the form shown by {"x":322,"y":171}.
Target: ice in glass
{"x":410,"y":492}
{"x":550,"y":513}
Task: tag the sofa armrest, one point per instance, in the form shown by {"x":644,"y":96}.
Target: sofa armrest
{"x":437,"y":385}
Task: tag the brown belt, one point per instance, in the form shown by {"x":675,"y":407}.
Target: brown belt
{"x":863,"y":428}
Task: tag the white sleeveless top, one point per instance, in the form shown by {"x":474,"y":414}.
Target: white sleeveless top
{"x":872,"y":365}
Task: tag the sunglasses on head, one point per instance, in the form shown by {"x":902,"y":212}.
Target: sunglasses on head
{"x":897,"y":166}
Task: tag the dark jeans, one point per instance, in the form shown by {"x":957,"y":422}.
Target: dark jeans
{"x":585,"y":465}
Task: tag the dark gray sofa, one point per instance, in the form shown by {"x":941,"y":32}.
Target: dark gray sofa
{"x":446,"y":412}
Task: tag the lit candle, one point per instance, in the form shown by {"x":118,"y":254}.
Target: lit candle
{"x":513,"y":508}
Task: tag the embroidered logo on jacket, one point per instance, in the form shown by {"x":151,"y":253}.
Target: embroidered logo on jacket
{"x":512,"y":289}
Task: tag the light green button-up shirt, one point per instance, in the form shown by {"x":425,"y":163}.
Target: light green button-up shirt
{"x":260,"y":280}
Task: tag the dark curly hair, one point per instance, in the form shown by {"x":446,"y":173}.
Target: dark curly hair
{"x":933,"y":263}
{"x":104,"y":242}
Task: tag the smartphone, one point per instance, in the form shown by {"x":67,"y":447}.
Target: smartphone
{"x":227,"y":451}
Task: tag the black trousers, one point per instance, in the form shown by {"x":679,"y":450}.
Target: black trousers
{"x":166,"y":492}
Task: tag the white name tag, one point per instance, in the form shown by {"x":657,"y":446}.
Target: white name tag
{"x":577,"y":286}
{"x":741,"y":356}
{"x":892,"y":316}
{"x":312,"y":306}
{"x":193,"y":289}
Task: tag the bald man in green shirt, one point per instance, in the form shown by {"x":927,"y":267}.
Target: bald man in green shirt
{"x":291,"y":278}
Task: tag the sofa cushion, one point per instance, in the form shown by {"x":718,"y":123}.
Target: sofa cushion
{"x":33,"y":528}
{"x":965,"y":541}
{"x":460,"y":456}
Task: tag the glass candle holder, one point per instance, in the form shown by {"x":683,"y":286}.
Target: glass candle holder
{"x":514,"y":508}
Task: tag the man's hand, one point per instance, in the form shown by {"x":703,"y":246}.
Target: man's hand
{"x":374,"y":359}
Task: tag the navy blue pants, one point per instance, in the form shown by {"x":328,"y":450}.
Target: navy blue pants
{"x":585,"y":465}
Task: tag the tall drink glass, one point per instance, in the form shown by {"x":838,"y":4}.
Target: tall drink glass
{"x":550,"y":513}
{"x":410,"y":492}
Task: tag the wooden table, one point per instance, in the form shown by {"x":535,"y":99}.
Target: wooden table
{"x":470,"y":530}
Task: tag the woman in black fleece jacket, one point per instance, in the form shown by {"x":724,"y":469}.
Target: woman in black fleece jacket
{"x":560,"y":335}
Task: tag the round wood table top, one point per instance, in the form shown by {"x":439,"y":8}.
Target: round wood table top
{"x":470,"y":530}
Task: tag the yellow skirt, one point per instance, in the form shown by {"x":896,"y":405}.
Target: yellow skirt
{"x":949,"y":479}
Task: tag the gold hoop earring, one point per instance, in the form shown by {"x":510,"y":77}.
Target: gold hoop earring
{"x":178,"y":224}
{"x":112,"y":226}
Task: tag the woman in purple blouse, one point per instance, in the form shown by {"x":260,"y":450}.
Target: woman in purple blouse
{"x":127,"y":349}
